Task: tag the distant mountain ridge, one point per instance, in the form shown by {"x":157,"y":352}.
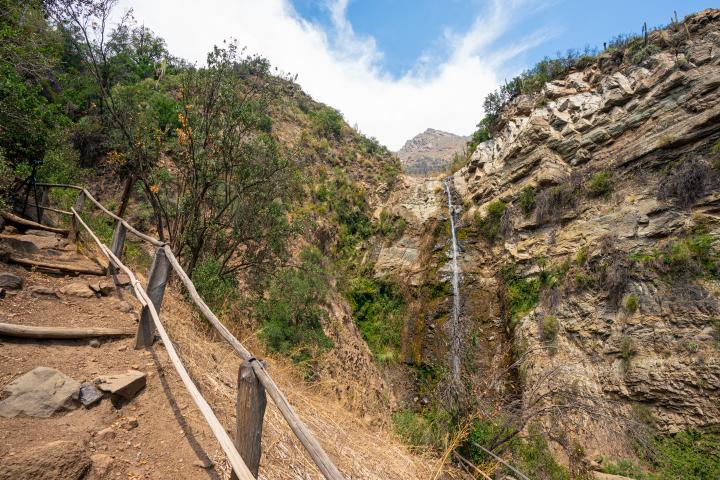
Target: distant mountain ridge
{"x":430,"y":151}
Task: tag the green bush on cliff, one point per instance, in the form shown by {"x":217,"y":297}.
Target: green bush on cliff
{"x":327,"y":122}
{"x":521,"y":294}
{"x":431,"y":427}
{"x":600,"y":184}
{"x":526,"y":200}
{"x":377,"y":307}
{"x":489,"y":226}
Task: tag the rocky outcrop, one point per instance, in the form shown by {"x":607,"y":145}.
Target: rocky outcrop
{"x":60,"y":459}
{"x":430,"y":152}
{"x":648,"y":128}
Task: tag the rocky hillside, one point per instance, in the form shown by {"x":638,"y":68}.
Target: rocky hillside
{"x":430,"y":152}
{"x":589,"y":229}
{"x":609,"y":179}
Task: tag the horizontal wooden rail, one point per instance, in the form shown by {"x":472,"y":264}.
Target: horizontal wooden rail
{"x":129,"y":227}
{"x":56,"y":210}
{"x":60,"y":333}
{"x":221,"y":435}
{"x":309,"y":442}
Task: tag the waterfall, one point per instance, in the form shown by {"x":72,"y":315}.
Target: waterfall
{"x":454,"y":330}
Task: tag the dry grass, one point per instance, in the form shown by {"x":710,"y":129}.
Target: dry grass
{"x":360,"y":450}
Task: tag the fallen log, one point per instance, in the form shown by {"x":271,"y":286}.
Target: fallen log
{"x":65,"y":267}
{"x":60,"y":333}
{"x":23,"y":224}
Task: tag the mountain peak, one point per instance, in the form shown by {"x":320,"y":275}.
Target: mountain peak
{"x":430,"y":151}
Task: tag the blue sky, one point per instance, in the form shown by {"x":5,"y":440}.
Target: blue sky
{"x":405,"y":30}
{"x":394,"y":68}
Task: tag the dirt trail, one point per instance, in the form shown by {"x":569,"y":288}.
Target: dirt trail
{"x":162,"y":446}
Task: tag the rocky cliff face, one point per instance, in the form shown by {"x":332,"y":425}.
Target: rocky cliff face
{"x":612,"y":186}
{"x":430,"y":152}
{"x":590,"y":251}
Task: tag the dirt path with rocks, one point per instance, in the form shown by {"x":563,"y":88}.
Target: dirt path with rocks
{"x":148,"y":437}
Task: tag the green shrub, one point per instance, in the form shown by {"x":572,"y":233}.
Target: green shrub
{"x":391,"y":226}
{"x":631,"y":304}
{"x":489,"y":226}
{"x":215,"y":289}
{"x":715,"y":150}
{"x":625,"y":468}
{"x":550,"y":328}
{"x":428,"y":428}
{"x":627,"y":349}
{"x":292,"y":313}
{"x":688,"y":257}
{"x":534,"y":455}
{"x":327,"y":122}
{"x":583,"y":281}
{"x":521,"y":294}
{"x":482,"y":134}
{"x":582,"y":255}
{"x":526,"y":200}
{"x":485,"y":433}
{"x":690,"y":455}
{"x":600,"y":184}
{"x":378,"y":309}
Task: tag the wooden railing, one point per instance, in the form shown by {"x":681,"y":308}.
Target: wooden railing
{"x":254,"y":382}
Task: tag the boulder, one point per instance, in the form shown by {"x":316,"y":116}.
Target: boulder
{"x":52,"y":461}
{"x":78,"y":289}
{"x":40,"y":393}
{"x":10,"y":281}
{"x":122,"y":386}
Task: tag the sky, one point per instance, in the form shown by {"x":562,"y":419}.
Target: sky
{"x":394,"y":68}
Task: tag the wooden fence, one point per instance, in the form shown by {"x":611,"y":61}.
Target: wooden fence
{"x":254,"y":382}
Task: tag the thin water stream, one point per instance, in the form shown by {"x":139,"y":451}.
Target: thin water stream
{"x":454,"y":328}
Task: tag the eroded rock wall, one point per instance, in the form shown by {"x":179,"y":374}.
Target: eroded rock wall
{"x":645,"y":125}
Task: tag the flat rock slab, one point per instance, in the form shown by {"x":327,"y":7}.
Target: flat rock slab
{"x":122,"y":386}
{"x":10,"y":281}
{"x":89,"y":394}
{"x":39,"y":290}
{"x":52,"y":461}
{"x":40,"y":393}
{"x":78,"y":289}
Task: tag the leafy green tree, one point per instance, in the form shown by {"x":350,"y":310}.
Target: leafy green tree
{"x":230,"y":186}
{"x":28,"y":57}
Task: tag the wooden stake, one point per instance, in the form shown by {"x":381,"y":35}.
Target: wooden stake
{"x":250,"y":412}
{"x":118,"y":242}
{"x":157,"y":279}
{"x":74,"y":231}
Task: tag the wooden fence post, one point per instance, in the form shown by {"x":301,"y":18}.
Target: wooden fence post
{"x":44,"y":201}
{"x":157,"y":279}
{"x":118,"y":242}
{"x":74,"y":230}
{"x":250,"y":412}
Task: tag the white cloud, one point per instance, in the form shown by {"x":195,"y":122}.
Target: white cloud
{"x":342,"y":69}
